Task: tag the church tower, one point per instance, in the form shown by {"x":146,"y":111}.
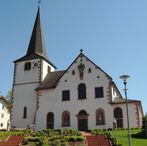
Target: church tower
{"x":29,"y":72}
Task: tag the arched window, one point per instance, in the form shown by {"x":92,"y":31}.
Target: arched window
{"x":118,"y":115}
{"x":50,"y":120}
{"x":25,"y":112}
{"x":100,"y":117}
{"x":65,"y":118}
{"x":82,"y":91}
{"x":27,"y":66}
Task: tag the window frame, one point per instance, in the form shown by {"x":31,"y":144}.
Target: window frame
{"x":25,"y":112}
{"x":100,"y":117}
{"x":81,"y":91}
{"x":27,"y":66}
{"x":99,"y":92}
{"x":66,"y":95}
{"x":67,"y":114}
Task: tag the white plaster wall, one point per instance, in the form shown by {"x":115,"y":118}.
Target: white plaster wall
{"x":24,"y":95}
{"x":4,"y":115}
{"x":27,"y":76}
{"x":44,"y":70}
{"x":51,"y":100}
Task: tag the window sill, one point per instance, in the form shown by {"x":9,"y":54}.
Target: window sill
{"x":64,"y":100}
{"x":100,"y":124}
{"x":98,"y":97}
{"x":65,"y":125}
{"x":82,"y":98}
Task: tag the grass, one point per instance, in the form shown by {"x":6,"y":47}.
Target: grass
{"x":122,"y":136}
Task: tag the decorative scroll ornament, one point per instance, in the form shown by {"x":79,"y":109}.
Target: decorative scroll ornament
{"x":81,"y":68}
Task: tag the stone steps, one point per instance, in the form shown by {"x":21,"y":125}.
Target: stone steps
{"x":12,"y":141}
{"x":97,"y":141}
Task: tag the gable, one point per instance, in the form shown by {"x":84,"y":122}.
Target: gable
{"x":82,"y":67}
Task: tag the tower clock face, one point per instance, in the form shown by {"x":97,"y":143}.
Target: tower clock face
{"x":35,"y":64}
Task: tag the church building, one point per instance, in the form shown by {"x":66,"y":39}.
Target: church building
{"x":82,"y":96}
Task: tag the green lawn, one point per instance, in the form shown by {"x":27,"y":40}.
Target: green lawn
{"x":122,"y":136}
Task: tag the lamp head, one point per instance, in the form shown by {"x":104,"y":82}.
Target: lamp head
{"x":124,"y":77}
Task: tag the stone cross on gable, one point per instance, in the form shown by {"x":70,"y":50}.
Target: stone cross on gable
{"x":81,"y":50}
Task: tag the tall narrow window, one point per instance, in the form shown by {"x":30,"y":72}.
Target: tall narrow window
{"x":99,"y":92}
{"x":89,"y":70}
{"x":82,"y":91}
{"x":27,"y":66}
{"x":65,"y":118}
{"x":50,"y":120}
{"x":100,"y":117}
{"x":25,"y":112}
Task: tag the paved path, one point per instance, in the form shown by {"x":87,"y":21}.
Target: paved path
{"x":12,"y":141}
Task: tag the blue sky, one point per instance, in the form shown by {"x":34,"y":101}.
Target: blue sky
{"x":112,"y":33}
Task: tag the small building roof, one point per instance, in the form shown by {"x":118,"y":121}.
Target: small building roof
{"x":51,"y":80}
{"x":120,"y":101}
{"x":5,"y":100}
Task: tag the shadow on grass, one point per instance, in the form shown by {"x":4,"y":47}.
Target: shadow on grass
{"x":140,"y":135}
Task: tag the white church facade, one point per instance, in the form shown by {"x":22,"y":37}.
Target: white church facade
{"x":82,"y":96}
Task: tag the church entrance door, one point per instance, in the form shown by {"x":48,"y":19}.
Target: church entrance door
{"x":82,"y":120}
{"x":50,"y":120}
{"x":118,"y":115}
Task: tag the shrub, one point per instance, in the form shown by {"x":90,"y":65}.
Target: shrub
{"x":25,"y":142}
{"x":3,"y":130}
{"x":34,"y":139}
{"x":72,"y":138}
{"x":55,"y":143}
{"x":80,"y":138}
{"x":98,"y":132}
{"x":109,"y":129}
{"x":48,"y":132}
{"x":64,"y":144}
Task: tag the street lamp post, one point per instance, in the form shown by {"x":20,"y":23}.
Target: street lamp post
{"x":124,"y":78}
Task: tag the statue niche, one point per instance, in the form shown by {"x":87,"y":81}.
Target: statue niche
{"x":81,"y":68}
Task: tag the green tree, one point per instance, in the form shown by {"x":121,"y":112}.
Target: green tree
{"x":9,"y":95}
{"x":145,"y":116}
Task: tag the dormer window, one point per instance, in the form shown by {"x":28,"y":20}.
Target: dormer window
{"x":27,"y":66}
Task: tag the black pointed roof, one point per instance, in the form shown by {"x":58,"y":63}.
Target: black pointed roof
{"x":36,"y":47}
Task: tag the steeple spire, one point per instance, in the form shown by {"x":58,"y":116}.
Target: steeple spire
{"x":36,"y":45}
{"x":36,"y":48}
